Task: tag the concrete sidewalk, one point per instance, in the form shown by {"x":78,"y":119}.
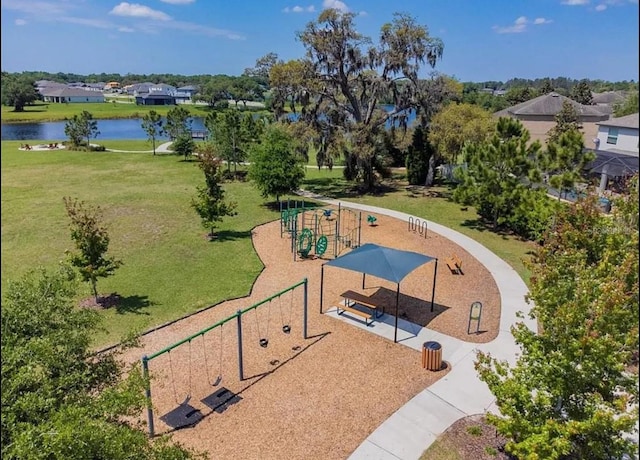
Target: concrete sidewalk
{"x":414,"y":427}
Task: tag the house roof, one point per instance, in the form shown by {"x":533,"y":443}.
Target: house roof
{"x":70,"y":92}
{"x":608,"y":97}
{"x":156,"y":95}
{"x":629,"y":121}
{"x":549,"y":105}
{"x":188,"y":88}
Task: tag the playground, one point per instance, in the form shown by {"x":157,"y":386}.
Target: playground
{"x":321,"y":395}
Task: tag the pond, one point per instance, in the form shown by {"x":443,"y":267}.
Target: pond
{"x":109,"y":129}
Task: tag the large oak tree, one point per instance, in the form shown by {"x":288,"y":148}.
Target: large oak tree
{"x":344,"y":77}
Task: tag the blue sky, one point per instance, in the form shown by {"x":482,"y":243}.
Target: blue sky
{"x":483,"y":39}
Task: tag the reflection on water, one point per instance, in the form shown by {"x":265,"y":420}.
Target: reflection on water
{"x":109,"y":129}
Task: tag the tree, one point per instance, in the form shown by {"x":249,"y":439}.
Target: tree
{"x":184,"y":145}
{"x":262,"y":68}
{"x":567,"y":119}
{"x":349,"y":77}
{"x":243,"y":89}
{"x":152,"y":125}
{"x":456,"y":125}
{"x":581,"y":93}
{"x":60,"y":399}
{"x":232,"y":132}
{"x":81,"y":127}
{"x":571,"y":393}
{"x":275,"y":168}
{"x":419,"y":155}
{"x":519,"y":94}
{"x":564,"y":160}
{"x":497,"y":171}
{"x":92,"y":242}
{"x":18,"y":91}
{"x":546,"y":87}
{"x":216,"y":89}
{"x":628,"y":106}
{"x":210,"y":203}
{"x":177,"y":123}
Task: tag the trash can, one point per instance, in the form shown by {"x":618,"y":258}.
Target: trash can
{"x":432,"y":356}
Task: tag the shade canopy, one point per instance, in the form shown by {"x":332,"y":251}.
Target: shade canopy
{"x":386,"y":263}
{"x":613,"y":164}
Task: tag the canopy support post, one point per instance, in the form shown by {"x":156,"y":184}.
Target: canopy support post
{"x":433,"y":291}
{"x":363,"y":276}
{"x":321,"y":285}
{"x":395,"y":333}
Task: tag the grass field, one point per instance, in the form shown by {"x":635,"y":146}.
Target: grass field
{"x":170,"y":269}
{"x":107,"y":110}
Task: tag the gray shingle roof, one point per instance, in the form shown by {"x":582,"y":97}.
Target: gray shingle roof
{"x":70,"y":92}
{"x":609,"y":97}
{"x":549,"y":105}
{"x":629,"y":121}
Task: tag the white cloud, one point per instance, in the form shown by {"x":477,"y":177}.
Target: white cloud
{"x":20,"y":22}
{"x":138,"y":11}
{"x":178,"y":2}
{"x":126,"y":29}
{"x":539,"y":21}
{"x":336,"y":5}
{"x":601,"y":7}
{"x":575,"y":2}
{"x":299,"y":9}
{"x":519,"y":26}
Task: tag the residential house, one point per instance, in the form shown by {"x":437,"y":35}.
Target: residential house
{"x":156,"y":97}
{"x":607,"y":100}
{"x":619,"y":135}
{"x":154,"y":94}
{"x":616,"y":150}
{"x":538,"y":115}
{"x":185,"y":94}
{"x":66,"y":94}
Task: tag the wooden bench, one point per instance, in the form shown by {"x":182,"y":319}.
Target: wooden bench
{"x":354,"y":311}
{"x":351,"y":298}
{"x":455,"y":264}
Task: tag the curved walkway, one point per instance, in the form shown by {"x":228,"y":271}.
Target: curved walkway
{"x":162,"y":148}
{"x":417,"y":424}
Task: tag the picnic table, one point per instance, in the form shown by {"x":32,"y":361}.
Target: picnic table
{"x":353,"y":298}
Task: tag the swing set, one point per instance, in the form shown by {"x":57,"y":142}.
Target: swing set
{"x":185,"y":414}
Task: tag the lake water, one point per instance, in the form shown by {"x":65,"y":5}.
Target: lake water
{"x":109,"y":129}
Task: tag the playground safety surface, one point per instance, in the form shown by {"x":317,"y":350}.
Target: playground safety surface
{"x":320,"y":397}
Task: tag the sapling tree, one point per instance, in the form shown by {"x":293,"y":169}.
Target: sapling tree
{"x":92,"y":242}
{"x":152,"y":125}
{"x":210,"y":203}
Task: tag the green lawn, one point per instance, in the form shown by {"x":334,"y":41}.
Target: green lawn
{"x":107,"y":110}
{"x":170,"y":269}
{"x":437,"y":207}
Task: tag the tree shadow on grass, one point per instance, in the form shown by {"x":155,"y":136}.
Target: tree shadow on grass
{"x":231,"y":235}
{"x":292,"y":204}
{"x":133,"y":304}
{"x":481,"y":225}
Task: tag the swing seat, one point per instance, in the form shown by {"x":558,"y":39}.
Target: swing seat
{"x":264,"y":343}
{"x":286,"y":329}
{"x":182,"y":416}
{"x":221,"y":399}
